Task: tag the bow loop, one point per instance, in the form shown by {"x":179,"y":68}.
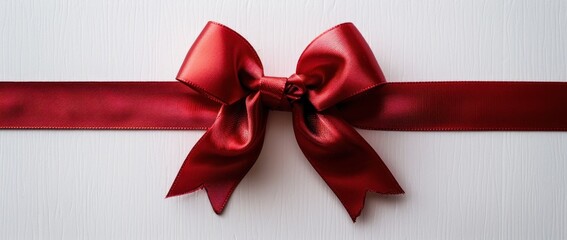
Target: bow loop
{"x":220,"y":64}
{"x":338,"y":65}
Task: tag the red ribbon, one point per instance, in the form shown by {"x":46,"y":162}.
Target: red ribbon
{"x":337,"y":85}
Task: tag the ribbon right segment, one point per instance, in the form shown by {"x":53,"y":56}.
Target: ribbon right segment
{"x":461,"y":106}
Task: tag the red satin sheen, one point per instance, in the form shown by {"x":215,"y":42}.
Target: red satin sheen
{"x":461,"y":106}
{"x":103,"y":105}
{"x":399,"y":106}
{"x":336,"y":66}
{"x":338,"y":84}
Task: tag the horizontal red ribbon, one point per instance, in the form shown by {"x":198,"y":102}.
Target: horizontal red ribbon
{"x":104,"y":105}
{"x":397,"y":106}
{"x":338,"y":84}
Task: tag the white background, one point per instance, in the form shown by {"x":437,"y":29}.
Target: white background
{"x":111,"y":184}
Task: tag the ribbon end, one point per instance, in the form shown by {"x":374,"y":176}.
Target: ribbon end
{"x":218,"y":195}
{"x":391,"y":189}
{"x":354,"y":201}
{"x":168,"y":195}
{"x":355,"y":209}
{"x":173,"y":193}
{"x":354,"y":213}
{"x":179,"y":188}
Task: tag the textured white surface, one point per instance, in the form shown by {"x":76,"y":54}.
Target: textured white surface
{"x":111,"y":184}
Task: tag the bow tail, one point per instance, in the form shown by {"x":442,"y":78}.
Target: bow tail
{"x":345,"y":161}
{"x":225,"y":153}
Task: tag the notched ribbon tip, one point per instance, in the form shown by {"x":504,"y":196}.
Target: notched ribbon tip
{"x":218,"y":195}
{"x":354,"y":210}
{"x":357,"y":201}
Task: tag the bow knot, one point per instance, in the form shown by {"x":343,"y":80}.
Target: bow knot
{"x":336,"y":66}
{"x":278,"y":93}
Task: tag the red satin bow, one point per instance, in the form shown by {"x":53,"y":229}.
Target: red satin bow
{"x":337,"y":84}
{"x":336,"y":66}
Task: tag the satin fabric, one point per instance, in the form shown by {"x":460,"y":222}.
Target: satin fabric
{"x":461,"y":106}
{"x":336,"y":66}
{"x":104,"y":105}
{"x":393,"y":106}
{"x":398,"y":106}
{"x":338,"y":84}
